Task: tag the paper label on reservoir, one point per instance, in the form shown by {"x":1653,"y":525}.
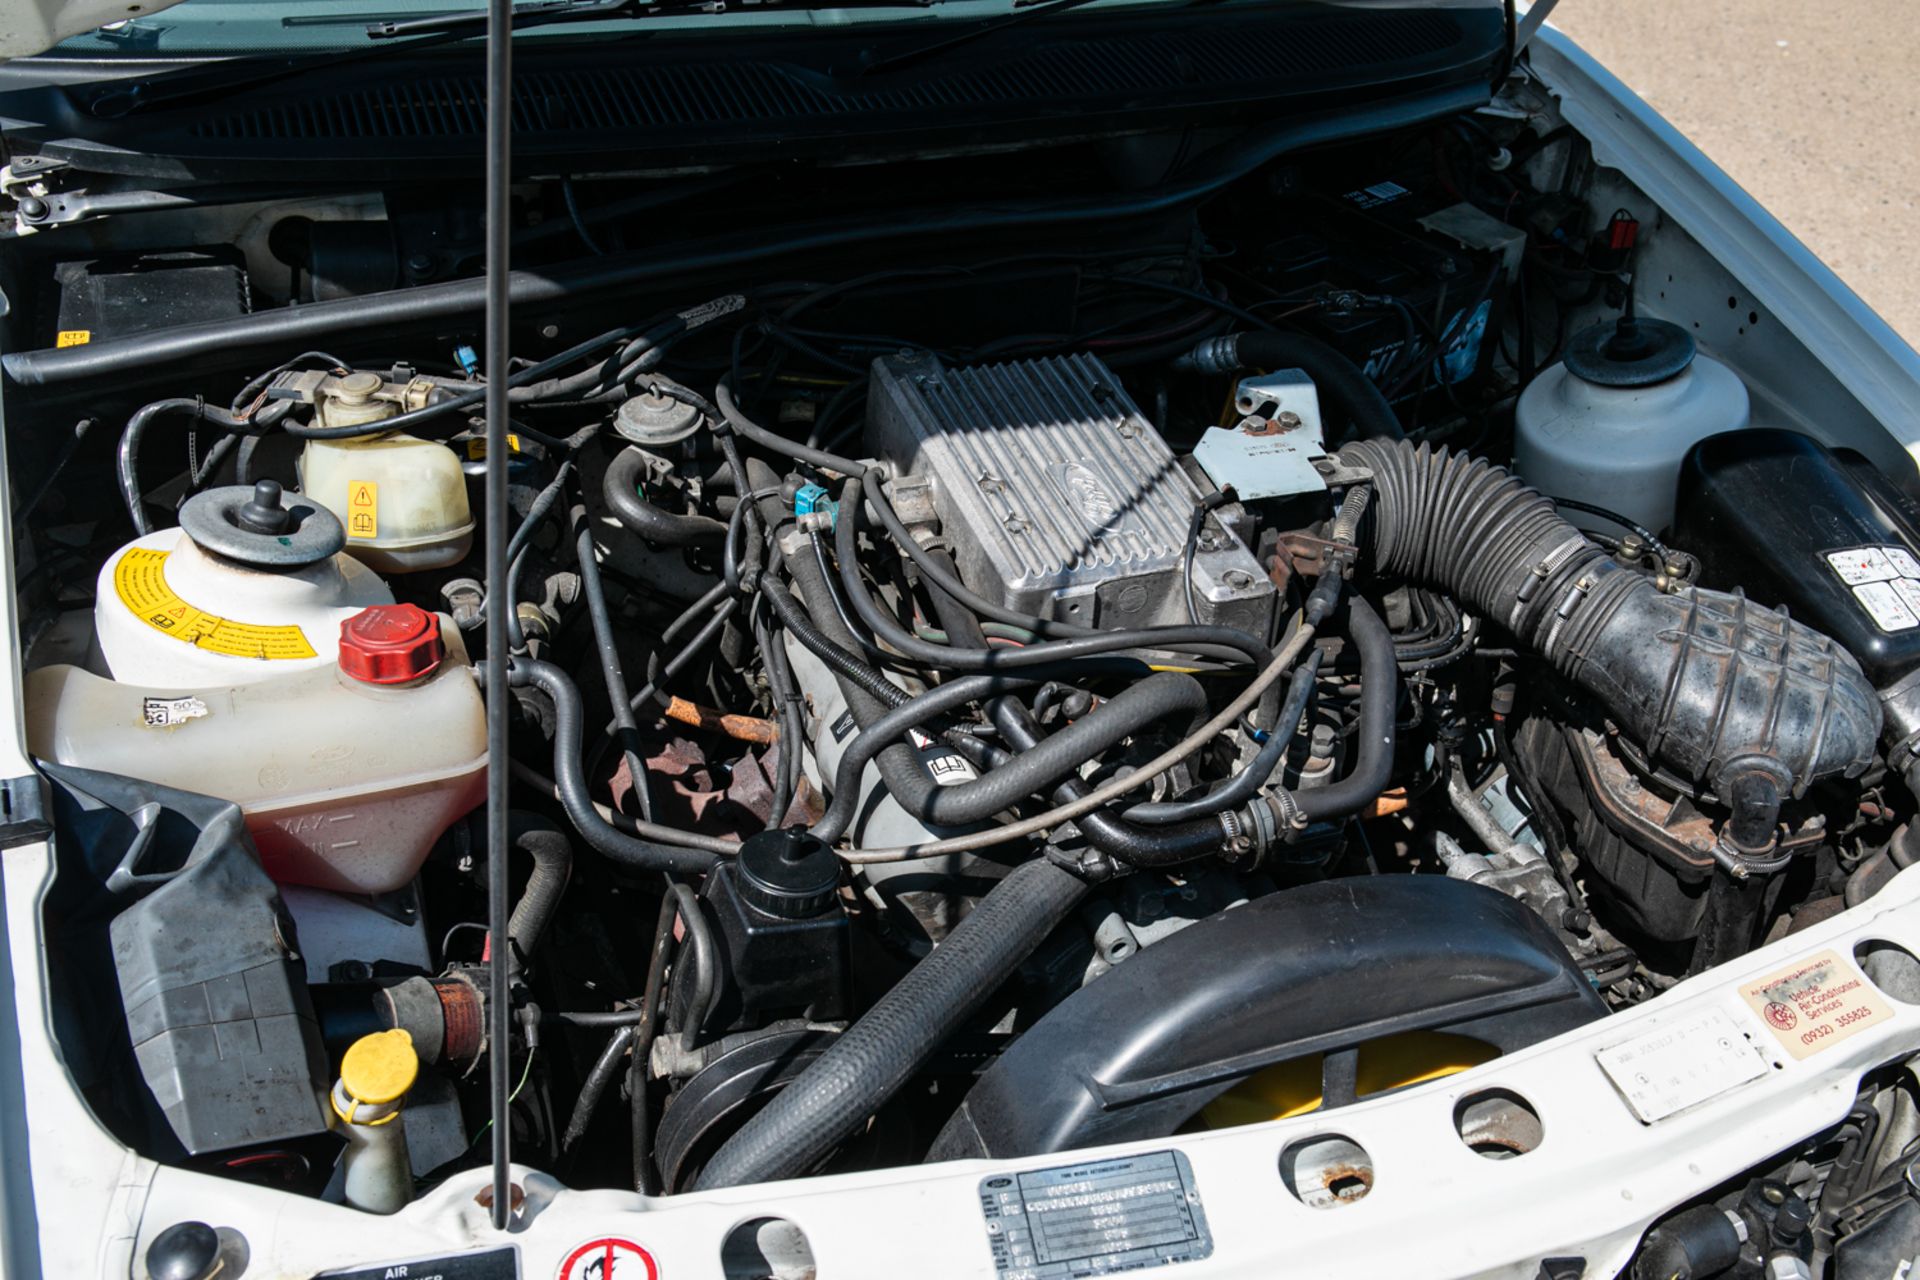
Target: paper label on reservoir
{"x":1816,"y":1003}
{"x":140,"y":580}
{"x":1095,"y":1218}
{"x":1679,"y":1062}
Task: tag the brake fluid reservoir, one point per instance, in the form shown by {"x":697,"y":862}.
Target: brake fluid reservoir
{"x":251,"y":586}
{"x":402,"y":500}
{"x":1610,"y":424}
{"x":347,"y":773}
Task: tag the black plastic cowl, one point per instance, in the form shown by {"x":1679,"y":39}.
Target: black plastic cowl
{"x":1711,"y":684}
{"x":1315,"y":969}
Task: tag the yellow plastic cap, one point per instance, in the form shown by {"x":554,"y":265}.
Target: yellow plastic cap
{"x":380,"y":1067}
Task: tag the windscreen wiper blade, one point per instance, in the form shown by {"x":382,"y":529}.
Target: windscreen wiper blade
{"x":550,"y":12}
{"x":130,"y":97}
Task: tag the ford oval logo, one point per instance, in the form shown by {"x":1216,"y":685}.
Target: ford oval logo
{"x":1087,"y":496}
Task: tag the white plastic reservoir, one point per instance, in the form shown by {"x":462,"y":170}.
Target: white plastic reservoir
{"x":217,"y":602}
{"x":401,"y":499}
{"x":346,"y":773}
{"x":1610,"y":424}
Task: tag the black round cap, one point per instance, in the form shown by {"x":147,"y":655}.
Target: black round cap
{"x":1630,"y":353}
{"x":262,"y":513}
{"x":262,"y":526}
{"x":184,"y":1251}
{"x":788,"y":874}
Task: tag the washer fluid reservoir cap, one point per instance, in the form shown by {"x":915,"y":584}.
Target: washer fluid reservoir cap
{"x":391,"y":644}
{"x":380,"y":1067}
{"x":261,"y":526}
{"x":1630,"y":353}
{"x":788,"y":874}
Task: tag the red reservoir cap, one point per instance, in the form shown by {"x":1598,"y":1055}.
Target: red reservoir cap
{"x":391,"y":644}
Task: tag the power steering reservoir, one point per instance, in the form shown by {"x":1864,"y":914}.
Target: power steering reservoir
{"x":1609,"y":424}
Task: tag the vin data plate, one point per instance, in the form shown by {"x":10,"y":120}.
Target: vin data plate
{"x":1095,"y":1218}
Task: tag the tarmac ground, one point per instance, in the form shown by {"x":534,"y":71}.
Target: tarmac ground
{"x":1813,"y":107}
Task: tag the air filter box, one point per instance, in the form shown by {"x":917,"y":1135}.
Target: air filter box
{"x":1059,"y":497}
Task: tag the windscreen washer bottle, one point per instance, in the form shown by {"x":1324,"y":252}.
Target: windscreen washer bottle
{"x":347,"y":774}
{"x":1610,"y":423}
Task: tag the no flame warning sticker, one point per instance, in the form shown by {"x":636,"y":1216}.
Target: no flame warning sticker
{"x":609,"y":1258}
{"x":1815,"y":1003}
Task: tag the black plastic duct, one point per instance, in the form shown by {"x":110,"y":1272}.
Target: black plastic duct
{"x":1714,"y":686}
{"x":1316,"y":969}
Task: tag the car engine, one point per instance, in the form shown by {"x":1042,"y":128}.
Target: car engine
{"x":976,"y":702}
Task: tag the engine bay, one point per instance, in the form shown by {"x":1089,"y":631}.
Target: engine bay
{"x":983,"y":701}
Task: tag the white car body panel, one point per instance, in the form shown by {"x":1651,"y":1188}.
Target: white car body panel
{"x":77,"y":1203}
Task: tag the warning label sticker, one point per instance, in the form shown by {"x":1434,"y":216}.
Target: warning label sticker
{"x":363,"y":509}
{"x":1885,"y":582}
{"x":140,"y":581}
{"x":73,"y":338}
{"x":609,"y":1258}
{"x":1816,"y":1003}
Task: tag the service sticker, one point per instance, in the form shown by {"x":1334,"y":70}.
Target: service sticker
{"x":1816,"y":1003}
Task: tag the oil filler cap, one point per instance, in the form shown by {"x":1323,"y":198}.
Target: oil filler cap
{"x":787,"y":874}
{"x":391,"y":644}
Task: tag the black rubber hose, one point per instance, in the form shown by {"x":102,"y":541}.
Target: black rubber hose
{"x":127,"y":458}
{"x":943,"y":657}
{"x":1379,"y":703}
{"x":628,"y":851}
{"x":873,"y":738}
{"x":594,"y":1087}
{"x":1340,"y":380}
{"x":1710,"y":684}
{"x":872,"y":1059}
{"x":661,"y":528}
{"x":1111,"y":835}
{"x":1244,"y":785}
{"x":552,"y":856}
{"x":612,"y":677}
{"x":808,"y":627}
{"x":1160,"y":696}
{"x":1137,"y":846}
{"x":1691,"y":1245}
